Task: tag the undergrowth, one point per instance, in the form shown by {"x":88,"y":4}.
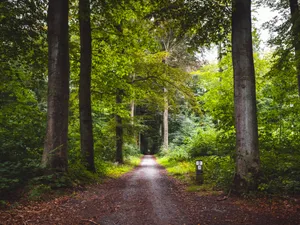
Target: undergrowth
{"x":43,"y":186}
{"x":218,"y":172}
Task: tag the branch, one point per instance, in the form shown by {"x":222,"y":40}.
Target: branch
{"x":91,"y":221}
{"x":142,"y":79}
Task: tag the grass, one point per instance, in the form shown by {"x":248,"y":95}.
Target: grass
{"x":183,"y":170}
{"x":115,"y":170}
{"x":214,"y":173}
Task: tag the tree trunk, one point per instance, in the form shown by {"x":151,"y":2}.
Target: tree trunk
{"x":247,"y":153}
{"x":165,"y":123}
{"x":119,"y":130}
{"x":144,"y":144}
{"x":132,"y":107}
{"x":86,"y":123}
{"x":56,"y":141}
{"x":294,"y":8}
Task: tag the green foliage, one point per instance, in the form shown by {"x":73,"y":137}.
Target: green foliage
{"x":38,"y":191}
{"x":115,"y":170}
{"x":204,"y":143}
{"x":281,"y":173}
{"x":14,"y":175}
{"x":213,"y":133}
{"x":218,"y":171}
{"x":22,"y":92}
{"x":79,"y":175}
{"x":176,"y":153}
{"x":205,"y":22}
{"x":140,"y":48}
{"x":131,"y":150}
{"x":3,"y":204}
{"x":184,"y":170}
{"x":53,"y":180}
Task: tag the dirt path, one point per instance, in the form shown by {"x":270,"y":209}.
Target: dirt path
{"x":149,"y":196}
{"x":147,"y":199}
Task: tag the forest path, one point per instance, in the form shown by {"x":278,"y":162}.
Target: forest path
{"x":146,"y":196}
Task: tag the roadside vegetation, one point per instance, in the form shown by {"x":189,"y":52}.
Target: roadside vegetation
{"x":210,"y":136}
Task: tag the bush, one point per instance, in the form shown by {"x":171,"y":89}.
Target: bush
{"x":204,"y":143}
{"x":281,"y":173}
{"x":38,"y":191}
{"x":80,"y":175}
{"x":131,"y":150}
{"x":218,"y":171}
{"x":54,"y":181}
{"x":178,"y":153}
{"x":15,"y":174}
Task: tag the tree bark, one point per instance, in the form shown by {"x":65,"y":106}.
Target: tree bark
{"x":85,"y":109}
{"x":56,"y":141}
{"x":132,"y":108}
{"x":119,"y":130}
{"x":247,"y":152}
{"x":294,"y":8}
{"x":165,"y":123}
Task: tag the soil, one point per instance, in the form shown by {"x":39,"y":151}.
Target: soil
{"x":147,"y":195}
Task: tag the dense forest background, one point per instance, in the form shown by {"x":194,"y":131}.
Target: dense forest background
{"x":137,"y":83}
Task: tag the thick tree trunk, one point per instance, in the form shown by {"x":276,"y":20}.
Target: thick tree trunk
{"x":56,"y":141}
{"x":86,"y":123}
{"x":166,"y":124}
{"x":247,"y":153}
{"x":119,"y":131}
{"x":294,"y":8}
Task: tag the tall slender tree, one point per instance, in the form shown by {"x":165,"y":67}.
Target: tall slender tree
{"x":85,"y":109}
{"x":247,"y":152}
{"x":166,"y":122}
{"x":119,"y":129}
{"x":55,"y":149}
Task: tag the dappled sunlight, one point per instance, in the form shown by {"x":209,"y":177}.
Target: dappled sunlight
{"x":148,"y":161}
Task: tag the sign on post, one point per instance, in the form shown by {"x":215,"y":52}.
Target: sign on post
{"x":199,"y":171}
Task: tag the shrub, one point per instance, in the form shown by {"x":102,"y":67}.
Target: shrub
{"x":38,"y":191}
{"x":218,"y":171}
{"x":131,"y":150}
{"x":204,"y":143}
{"x":178,"y":153}
{"x":281,"y":173}
{"x":15,"y":174}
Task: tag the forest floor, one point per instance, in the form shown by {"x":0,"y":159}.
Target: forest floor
{"x":147,"y":195}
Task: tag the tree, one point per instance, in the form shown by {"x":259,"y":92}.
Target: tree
{"x":286,"y":26}
{"x":119,"y":129}
{"x":294,"y":8}
{"x":55,"y":149}
{"x":166,"y":122}
{"x":247,"y":152}
{"x":86,"y":123}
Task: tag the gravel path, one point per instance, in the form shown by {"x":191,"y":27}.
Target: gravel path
{"x":148,"y":196}
{"x":157,"y":204}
